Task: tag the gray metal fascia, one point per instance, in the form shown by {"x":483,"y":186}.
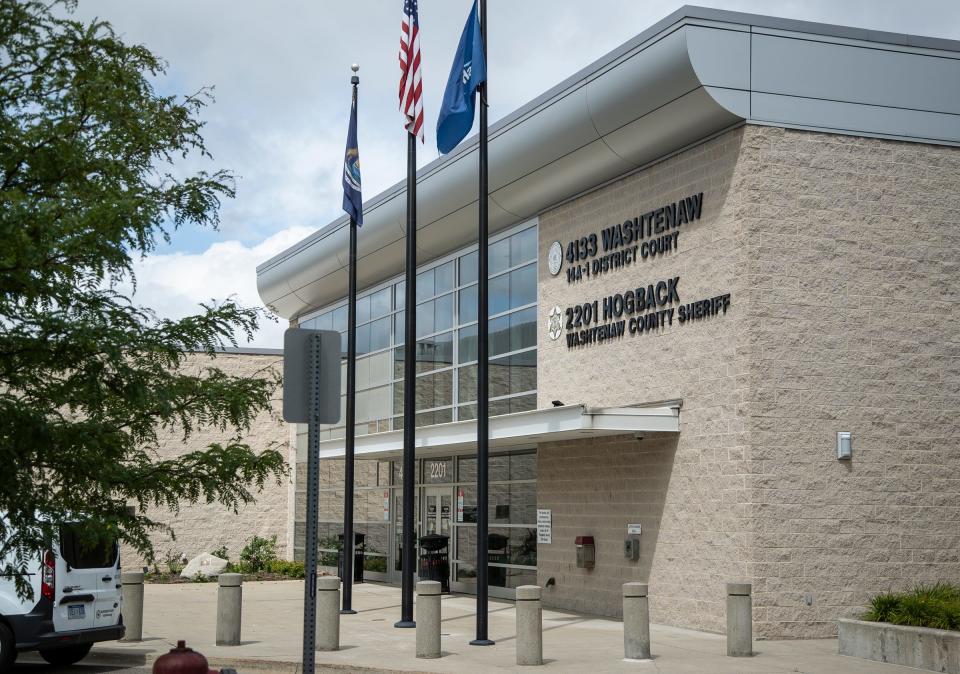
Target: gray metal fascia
{"x":682,"y":79}
{"x":686,"y":12}
{"x":573,"y":140}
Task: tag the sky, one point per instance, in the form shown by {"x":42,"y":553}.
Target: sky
{"x":281,"y":77}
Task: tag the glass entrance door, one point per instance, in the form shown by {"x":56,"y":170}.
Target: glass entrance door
{"x":438,"y":503}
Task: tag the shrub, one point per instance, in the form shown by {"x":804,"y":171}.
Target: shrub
{"x":881,"y":608}
{"x":284,"y":568}
{"x":174,"y":561}
{"x":222,"y":553}
{"x":377,"y":564}
{"x":258,"y":552}
{"x":279,"y":567}
{"x":936,"y":606}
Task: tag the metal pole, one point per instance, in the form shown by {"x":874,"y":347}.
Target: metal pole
{"x":351,"y":410}
{"x":409,"y":557}
{"x":483,"y":407}
{"x":313,"y":498}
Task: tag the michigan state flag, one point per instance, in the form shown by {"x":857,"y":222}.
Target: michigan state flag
{"x":352,"y":199}
{"x":469,"y":71}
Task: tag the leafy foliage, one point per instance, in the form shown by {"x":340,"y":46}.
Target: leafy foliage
{"x":222,"y":553}
{"x":285,"y":568}
{"x":174,"y":561}
{"x":278,"y":567}
{"x":936,"y":606}
{"x":881,"y":608}
{"x":257,"y":553}
{"x":274,"y":570}
{"x":90,"y":178}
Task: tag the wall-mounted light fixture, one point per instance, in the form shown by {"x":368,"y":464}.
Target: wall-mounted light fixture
{"x":844,"y":450}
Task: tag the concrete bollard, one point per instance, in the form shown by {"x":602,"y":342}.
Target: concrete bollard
{"x":328,"y":613}
{"x":529,"y":626}
{"x":131,"y":602}
{"x":229,"y":603}
{"x":636,"y":622}
{"x":739,"y":620}
{"x":428,"y":619}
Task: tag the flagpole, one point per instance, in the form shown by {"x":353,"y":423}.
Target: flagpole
{"x":483,"y":407}
{"x":409,"y":557}
{"x":351,"y":403}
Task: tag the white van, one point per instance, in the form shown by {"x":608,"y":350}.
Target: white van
{"x":76,"y":602}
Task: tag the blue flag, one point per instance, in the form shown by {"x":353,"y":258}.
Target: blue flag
{"x":468,"y":72}
{"x":352,"y":199}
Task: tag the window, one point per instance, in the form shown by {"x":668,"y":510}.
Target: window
{"x":435,"y":352}
{"x":512,"y":514}
{"x":446,"y":349}
{"x":80,"y":552}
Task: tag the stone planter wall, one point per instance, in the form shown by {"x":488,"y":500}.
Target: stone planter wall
{"x":921,"y":647}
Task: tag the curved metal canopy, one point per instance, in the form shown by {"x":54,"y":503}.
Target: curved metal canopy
{"x":696,"y":73}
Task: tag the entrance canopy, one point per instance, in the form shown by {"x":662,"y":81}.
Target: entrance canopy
{"x":518,"y":430}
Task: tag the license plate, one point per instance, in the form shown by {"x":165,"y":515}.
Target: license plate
{"x":76,"y":612}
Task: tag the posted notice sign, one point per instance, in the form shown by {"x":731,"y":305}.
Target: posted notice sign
{"x":544,"y":526}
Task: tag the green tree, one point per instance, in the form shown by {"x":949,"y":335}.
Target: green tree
{"x":91,"y":179}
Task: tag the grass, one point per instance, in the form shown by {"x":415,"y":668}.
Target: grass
{"x":936,"y":606}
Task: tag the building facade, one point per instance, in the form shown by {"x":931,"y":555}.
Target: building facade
{"x":721,"y":245}
{"x":205,"y":527}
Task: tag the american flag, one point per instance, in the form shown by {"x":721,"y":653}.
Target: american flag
{"x":411,"y":88}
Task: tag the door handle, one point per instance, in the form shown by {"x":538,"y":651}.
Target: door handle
{"x":107,"y":579}
{"x":83,"y":598}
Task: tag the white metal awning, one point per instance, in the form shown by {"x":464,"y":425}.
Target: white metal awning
{"x":518,"y":430}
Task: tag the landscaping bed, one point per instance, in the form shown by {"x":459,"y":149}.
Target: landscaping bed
{"x":920,"y":628}
{"x":258,"y":561}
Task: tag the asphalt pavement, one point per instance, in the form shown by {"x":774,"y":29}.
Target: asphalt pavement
{"x":33,"y":664}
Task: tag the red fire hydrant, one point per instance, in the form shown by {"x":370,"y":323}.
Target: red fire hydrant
{"x":183,"y":660}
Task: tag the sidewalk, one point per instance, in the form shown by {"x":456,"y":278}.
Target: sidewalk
{"x":272,"y":638}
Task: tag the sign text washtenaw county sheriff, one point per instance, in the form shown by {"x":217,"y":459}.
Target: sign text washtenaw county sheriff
{"x":645,"y":236}
{"x":637,"y":311}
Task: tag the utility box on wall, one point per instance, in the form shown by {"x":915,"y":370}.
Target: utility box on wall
{"x":586,"y":552}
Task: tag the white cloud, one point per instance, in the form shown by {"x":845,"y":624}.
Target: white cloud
{"x":174,"y":284}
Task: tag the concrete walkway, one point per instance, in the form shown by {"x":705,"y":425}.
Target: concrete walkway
{"x":272,"y":638}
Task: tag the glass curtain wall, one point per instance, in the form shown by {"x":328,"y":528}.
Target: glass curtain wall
{"x":512,"y":517}
{"x":446,"y":350}
{"x":512,"y":538}
{"x":371,"y":514}
{"x":446,"y":373}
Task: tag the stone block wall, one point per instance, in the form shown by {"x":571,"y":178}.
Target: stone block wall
{"x":596,"y":488}
{"x":842,"y":257}
{"x":687,"y":491}
{"x":854,"y":325}
{"x":204,"y":527}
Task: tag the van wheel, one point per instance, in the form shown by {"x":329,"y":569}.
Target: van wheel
{"x":67,"y":655}
{"x":8,"y":648}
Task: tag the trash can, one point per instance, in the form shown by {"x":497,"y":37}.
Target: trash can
{"x":497,"y":554}
{"x":435,"y":560}
{"x":359,"y":543}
